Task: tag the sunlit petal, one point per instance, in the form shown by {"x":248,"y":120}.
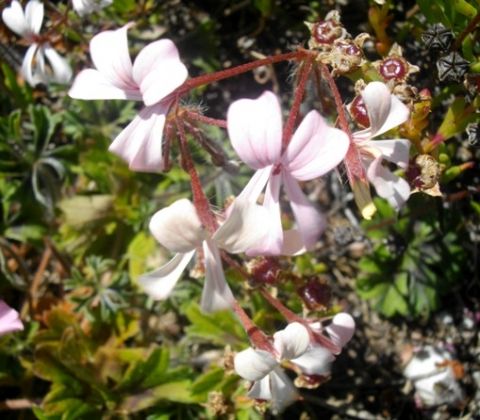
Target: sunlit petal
{"x":254,"y":365}
{"x":341,"y":329}
{"x":255,"y":130}
{"x":9,"y":319}
{"x":14,"y":18}
{"x":159,"y":283}
{"x":292,"y":341}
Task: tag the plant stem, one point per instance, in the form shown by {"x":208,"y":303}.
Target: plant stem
{"x":200,"y":201}
{"x":297,"y":101}
{"x":243,"y":68}
{"x":204,"y":119}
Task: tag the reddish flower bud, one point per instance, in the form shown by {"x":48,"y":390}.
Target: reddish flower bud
{"x":358,"y":111}
{"x":327,"y":31}
{"x":264,"y":270}
{"x":315,"y":294}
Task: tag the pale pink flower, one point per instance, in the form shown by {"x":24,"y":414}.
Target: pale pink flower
{"x":156,"y":72}
{"x":178,"y":228}
{"x":385,"y":112}
{"x":27,"y":24}
{"x":294,"y":344}
{"x":9,"y":319}
{"x":84,"y":7}
{"x":255,"y":130}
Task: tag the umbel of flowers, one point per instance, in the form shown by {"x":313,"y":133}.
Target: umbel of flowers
{"x":282,"y":154}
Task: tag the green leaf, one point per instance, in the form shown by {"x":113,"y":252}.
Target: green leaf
{"x":208,"y":381}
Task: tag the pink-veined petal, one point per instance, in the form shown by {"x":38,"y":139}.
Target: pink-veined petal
{"x":216,"y":294}
{"x":385,"y":110}
{"x":246,"y":224}
{"x":261,"y":389}
{"x":177,"y":227}
{"x":388,"y":185}
{"x":255,"y":186}
{"x":311,"y":223}
{"x":158,"y":71}
{"x":396,"y":151}
{"x":315,"y":148}
{"x":292,"y":243}
{"x":14,"y":18}
{"x":61,"y":70}
{"x":158,"y":284}
{"x":341,"y":329}
{"x":272,"y":244}
{"x":110,"y":55}
{"x":315,"y":361}
{"x":140,"y":143}
{"x":282,"y":389}
{"x":34,"y":15}
{"x":254,"y":365}
{"x":255,"y":130}
{"x":9,"y":319}
{"x":91,"y":84}
{"x":292,"y":341}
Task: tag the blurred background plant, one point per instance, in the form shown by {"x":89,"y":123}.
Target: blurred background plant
{"x":74,"y":219}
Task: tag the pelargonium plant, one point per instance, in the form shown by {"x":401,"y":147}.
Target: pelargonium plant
{"x":281,"y":154}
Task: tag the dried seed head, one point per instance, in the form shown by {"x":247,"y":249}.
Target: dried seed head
{"x":452,"y":67}
{"x":358,"y":111}
{"x":424,"y":173}
{"x":325,"y":32}
{"x":393,"y":68}
{"x":437,"y":37}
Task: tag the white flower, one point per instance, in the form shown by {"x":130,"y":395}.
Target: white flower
{"x":178,"y":228}
{"x":9,"y":319}
{"x":385,"y":111}
{"x":296,"y":345}
{"x":28,"y":24}
{"x":154,"y":75}
{"x":433,"y":377}
{"x":84,"y":7}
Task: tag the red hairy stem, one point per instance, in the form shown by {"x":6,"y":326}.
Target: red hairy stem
{"x":352,"y":160}
{"x":243,"y":68}
{"x":203,"y":119}
{"x":292,"y":317}
{"x":297,"y":101}
{"x":280,"y":307}
{"x":200,"y":201}
{"x":257,"y":337}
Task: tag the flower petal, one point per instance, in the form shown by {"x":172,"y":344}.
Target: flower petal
{"x":140,"y":143}
{"x":282,"y":389}
{"x":396,"y":151}
{"x":14,"y":18}
{"x":177,"y":227}
{"x":159,"y":283}
{"x":388,"y":185}
{"x":158,"y":71}
{"x":109,"y":52}
{"x":246,"y":224}
{"x":292,"y":341}
{"x":216,"y":295}
{"x":260,"y":389}
{"x":255,"y":186}
{"x":91,"y":84}
{"x":311,"y":223}
{"x":254,"y":365}
{"x":315,"y":149}
{"x":34,"y":75}
{"x":34,"y":15}
{"x":341,"y":329}
{"x":272,"y":244}
{"x":9,"y":319}
{"x":62,"y":72}
{"x":315,"y":361}
{"x":255,"y":130}
{"x":385,"y":110}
